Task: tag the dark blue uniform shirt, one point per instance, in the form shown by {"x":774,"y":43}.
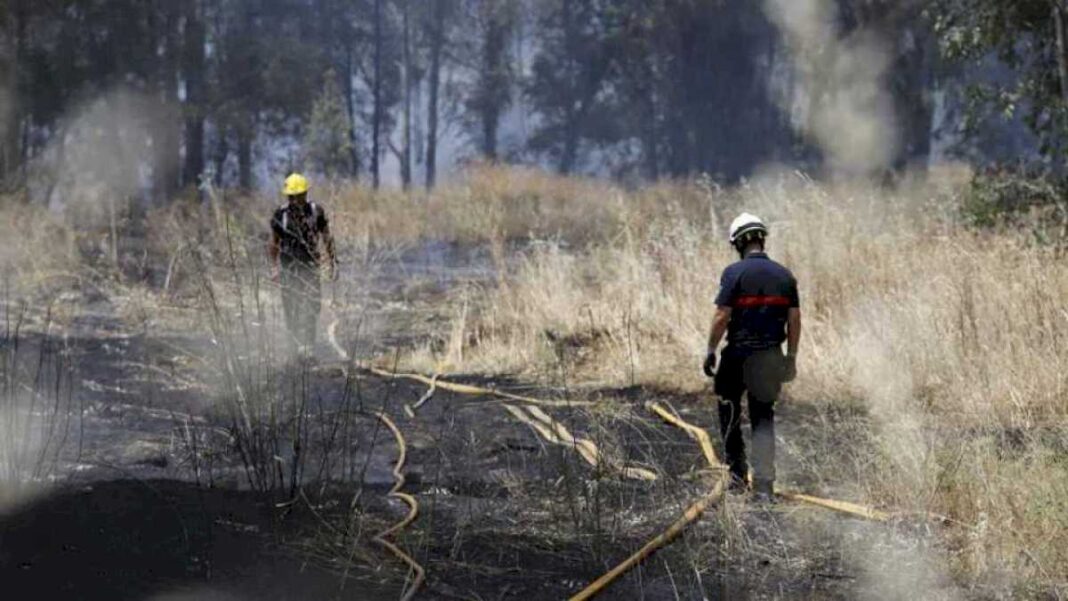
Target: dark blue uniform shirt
{"x":760,"y":293}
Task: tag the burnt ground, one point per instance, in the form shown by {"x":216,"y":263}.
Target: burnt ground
{"x":162,"y":539}
{"x":136,"y":511}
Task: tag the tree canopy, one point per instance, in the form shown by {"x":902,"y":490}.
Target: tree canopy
{"x":637,"y":89}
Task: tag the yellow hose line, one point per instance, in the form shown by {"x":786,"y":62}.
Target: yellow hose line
{"x":410,"y":410}
{"x":549,"y":429}
{"x":868,"y":513}
{"x":702,"y":437}
{"x":690,"y":516}
{"x":413,"y":511}
{"x":697,"y":509}
{"x":555,"y":433}
{"x":589,"y":449}
{"x":696,"y":433}
{"x":473,"y":390}
{"x":331,"y":334}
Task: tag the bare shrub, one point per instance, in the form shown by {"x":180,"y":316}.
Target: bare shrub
{"x":39,"y":417}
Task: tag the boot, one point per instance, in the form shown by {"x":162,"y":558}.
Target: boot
{"x":764,"y":492}
{"x":737,"y":484}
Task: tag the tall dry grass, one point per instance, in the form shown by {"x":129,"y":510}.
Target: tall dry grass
{"x":948,"y":343}
{"x":40,"y":420}
{"x":945,"y":345}
{"x":508,"y":203}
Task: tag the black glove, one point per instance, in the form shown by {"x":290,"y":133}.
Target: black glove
{"x":790,"y":368}
{"x":709,"y":366}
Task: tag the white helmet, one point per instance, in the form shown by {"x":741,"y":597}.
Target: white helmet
{"x":747,"y":223}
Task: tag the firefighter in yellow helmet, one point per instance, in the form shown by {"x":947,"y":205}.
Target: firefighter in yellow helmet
{"x":301,"y":246}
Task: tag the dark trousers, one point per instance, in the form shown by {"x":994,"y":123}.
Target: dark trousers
{"x":301,"y":300}
{"x":759,"y":374}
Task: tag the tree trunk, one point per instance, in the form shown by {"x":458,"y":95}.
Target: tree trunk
{"x":193,"y":71}
{"x":376,"y":126}
{"x":569,"y":151}
{"x":406,"y":151}
{"x":220,"y":155}
{"x":490,"y":123}
{"x":12,"y":27}
{"x":437,"y":45}
{"x":248,"y":121}
{"x":244,"y":158}
{"x":914,"y":99}
{"x":168,"y":135}
{"x":1062,"y":47}
{"x":652,"y":134}
{"x":350,"y":105}
{"x":494,"y":48}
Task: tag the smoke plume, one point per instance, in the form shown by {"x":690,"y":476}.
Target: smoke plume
{"x":106,"y":151}
{"x":841,"y":104}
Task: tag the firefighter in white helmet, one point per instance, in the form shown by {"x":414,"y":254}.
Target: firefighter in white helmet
{"x":758,"y":309}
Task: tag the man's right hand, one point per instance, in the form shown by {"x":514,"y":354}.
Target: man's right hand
{"x":709,"y":366}
{"x":276,"y":274}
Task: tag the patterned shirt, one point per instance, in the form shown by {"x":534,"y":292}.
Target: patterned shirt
{"x":299,"y":229}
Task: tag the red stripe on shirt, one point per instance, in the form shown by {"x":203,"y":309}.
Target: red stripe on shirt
{"x":748,"y":302}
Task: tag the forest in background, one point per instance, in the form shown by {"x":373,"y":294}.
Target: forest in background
{"x":144,"y":312}
{"x":398,"y":91}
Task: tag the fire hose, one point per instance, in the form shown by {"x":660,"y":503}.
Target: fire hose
{"x":383,"y":537}
{"x":556,"y":433}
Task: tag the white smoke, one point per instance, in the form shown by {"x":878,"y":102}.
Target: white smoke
{"x":29,"y":437}
{"x":841,"y":104}
{"x":894,"y":566}
{"x":103,"y":152}
{"x":881,"y":373}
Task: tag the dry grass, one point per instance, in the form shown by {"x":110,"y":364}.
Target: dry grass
{"x":40,"y":260}
{"x":39,"y":248}
{"x":511,"y":204}
{"x":950,"y":342}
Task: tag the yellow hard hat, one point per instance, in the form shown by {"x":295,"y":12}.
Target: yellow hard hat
{"x":295,"y":185}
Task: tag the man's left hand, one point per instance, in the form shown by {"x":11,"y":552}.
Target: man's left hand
{"x":790,"y":369}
